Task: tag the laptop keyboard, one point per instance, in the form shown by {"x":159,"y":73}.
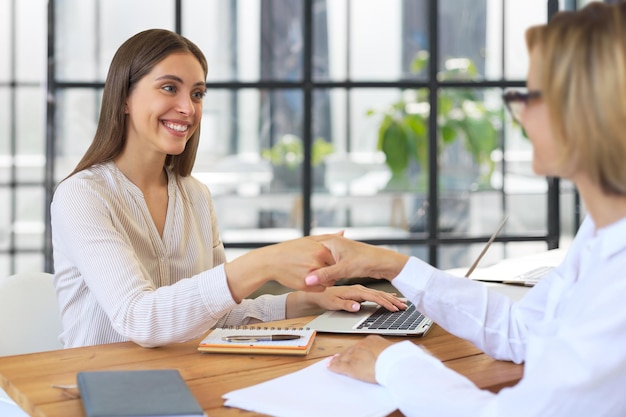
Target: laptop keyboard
{"x":382,"y":318}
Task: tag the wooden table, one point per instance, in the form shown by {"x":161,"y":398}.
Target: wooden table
{"x":28,"y":379}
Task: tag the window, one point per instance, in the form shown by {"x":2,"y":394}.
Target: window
{"x":298,"y":93}
{"x":22,"y":135}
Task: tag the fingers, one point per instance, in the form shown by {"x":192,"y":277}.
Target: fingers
{"x":359,"y":361}
{"x":326,"y":276}
{"x":349,"y":298}
{"x":325,"y":256}
{"x":350,"y":305}
{"x":388,"y":301}
{"x":288,"y":262}
{"x":340,"y":364}
{"x":326,"y":236}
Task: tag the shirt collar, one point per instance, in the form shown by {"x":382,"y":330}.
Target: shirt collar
{"x":612,"y":238}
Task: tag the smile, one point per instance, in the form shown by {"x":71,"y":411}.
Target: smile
{"x":175,"y":126}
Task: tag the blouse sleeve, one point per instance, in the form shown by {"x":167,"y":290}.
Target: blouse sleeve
{"x":87,"y":238}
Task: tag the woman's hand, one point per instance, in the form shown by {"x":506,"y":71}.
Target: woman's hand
{"x":353,"y":259}
{"x":348,"y":298}
{"x":288,"y":262}
{"x":359,"y":361}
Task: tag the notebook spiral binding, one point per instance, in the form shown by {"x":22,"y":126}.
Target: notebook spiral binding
{"x":241,"y":327}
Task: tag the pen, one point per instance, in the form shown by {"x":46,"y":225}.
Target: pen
{"x":482,"y":253}
{"x":268,"y":338}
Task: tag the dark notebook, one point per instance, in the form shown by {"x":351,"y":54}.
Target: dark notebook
{"x":144,"y":393}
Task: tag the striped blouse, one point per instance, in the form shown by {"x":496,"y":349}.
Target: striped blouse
{"x":117,"y":279}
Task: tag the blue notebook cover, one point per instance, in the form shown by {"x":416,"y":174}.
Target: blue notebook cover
{"x":137,"y":393}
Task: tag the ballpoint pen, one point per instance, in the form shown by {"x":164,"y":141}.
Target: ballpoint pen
{"x":254,"y":338}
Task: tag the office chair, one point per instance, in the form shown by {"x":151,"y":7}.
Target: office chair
{"x":29,"y":322}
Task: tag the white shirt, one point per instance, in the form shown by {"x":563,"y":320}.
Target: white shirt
{"x":569,"y":330}
{"x":117,"y":279}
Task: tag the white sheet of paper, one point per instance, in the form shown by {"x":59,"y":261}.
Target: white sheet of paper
{"x":313,"y":392}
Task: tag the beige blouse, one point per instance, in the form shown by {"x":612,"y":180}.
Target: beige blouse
{"x":117,"y":279}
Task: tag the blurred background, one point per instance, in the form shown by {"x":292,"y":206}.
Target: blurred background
{"x":383,"y":118}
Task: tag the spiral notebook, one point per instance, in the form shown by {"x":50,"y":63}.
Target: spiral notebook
{"x":259,"y":340}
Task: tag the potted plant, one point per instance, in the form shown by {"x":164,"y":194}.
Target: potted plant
{"x":287,"y":155}
{"x":462,"y":119}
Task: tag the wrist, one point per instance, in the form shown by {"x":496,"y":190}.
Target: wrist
{"x":388,"y":265}
{"x":245,"y":274}
{"x":302,"y":303}
{"x":398,"y":261}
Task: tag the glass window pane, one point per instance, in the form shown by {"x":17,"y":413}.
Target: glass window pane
{"x":572,"y":212}
{"x":264,"y":118}
{"x":523,"y":221}
{"x":31,"y":38}
{"x":281,"y":40}
{"x":248,"y":42}
{"x":30,"y":134}
{"x":521,"y":185}
{"x":393,"y":124}
{"x":103,"y":27}
{"x":462,"y":35}
{"x":356,"y":192}
{"x":6,"y":6}
{"x":375,"y":54}
{"x":227,"y":35}
{"x":76,"y":57}
{"x":211,"y":26}
{"x":29,"y":226}
{"x":469,"y":122}
{"x":253,"y":164}
{"x":331,"y":48}
{"x":6,"y":157}
{"x":28,"y":262}
{"x":368,"y":108}
{"x":330,"y":40}
{"x":7,"y":195}
{"x":518,"y":17}
{"x":77,"y":119}
{"x":5,"y":264}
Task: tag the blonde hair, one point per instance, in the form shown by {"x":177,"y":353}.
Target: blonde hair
{"x":583,"y":83}
{"x":133,"y":60}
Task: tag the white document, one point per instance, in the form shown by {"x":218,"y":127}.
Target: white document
{"x":313,"y":392}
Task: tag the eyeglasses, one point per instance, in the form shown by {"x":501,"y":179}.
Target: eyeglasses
{"x":516,"y":102}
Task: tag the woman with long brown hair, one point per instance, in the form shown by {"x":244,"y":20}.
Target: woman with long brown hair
{"x":137,"y":249}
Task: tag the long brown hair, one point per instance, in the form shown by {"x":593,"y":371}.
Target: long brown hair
{"x":133,"y":60}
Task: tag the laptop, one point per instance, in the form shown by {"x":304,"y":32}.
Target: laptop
{"x":374,"y":319}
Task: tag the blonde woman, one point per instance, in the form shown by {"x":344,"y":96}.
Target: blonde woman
{"x":570,"y":329}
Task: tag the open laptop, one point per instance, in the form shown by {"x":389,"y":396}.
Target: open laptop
{"x":373,"y":319}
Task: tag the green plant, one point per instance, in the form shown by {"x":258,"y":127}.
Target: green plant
{"x":403,"y":131}
{"x":289,"y":151}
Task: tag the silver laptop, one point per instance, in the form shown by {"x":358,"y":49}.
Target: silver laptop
{"x":373,"y":319}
